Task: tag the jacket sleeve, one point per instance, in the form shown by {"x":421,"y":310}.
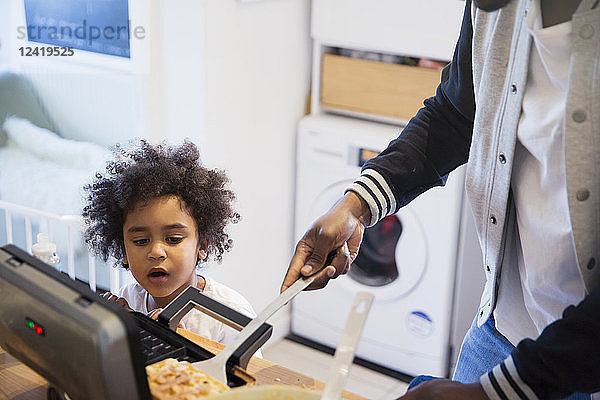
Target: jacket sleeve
{"x":564,"y":359}
{"x":433,"y":143}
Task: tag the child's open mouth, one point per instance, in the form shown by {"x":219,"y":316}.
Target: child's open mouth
{"x":158,"y":275}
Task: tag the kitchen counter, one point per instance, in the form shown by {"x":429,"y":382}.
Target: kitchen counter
{"x":17,"y":381}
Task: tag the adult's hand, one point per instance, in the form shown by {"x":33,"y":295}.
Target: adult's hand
{"x":340,"y":230}
{"x":444,"y":389}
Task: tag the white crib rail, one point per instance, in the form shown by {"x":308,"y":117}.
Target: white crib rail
{"x":72,"y":223}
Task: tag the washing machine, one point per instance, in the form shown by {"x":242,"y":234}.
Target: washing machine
{"x":423,"y":264}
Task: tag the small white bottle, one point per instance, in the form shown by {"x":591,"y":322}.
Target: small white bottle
{"x":45,"y":250}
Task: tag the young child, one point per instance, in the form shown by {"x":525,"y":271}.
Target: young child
{"x":160,"y":213}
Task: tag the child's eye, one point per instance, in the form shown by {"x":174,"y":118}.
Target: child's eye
{"x":174,"y":239}
{"x":140,"y":242}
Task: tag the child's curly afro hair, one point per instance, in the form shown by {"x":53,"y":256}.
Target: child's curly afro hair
{"x":145,"y":172}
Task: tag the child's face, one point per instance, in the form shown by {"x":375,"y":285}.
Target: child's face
{"x":162,"y":247}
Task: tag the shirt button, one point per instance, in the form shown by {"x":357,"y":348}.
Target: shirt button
{"x":502,"y":158}
{"x":579,"y":116}
{"x":591,"y":263}
{"x":586,"y":31}
{"x":513,"y":88}
{"x":582,"y":194}
{"x":487,"y":267}
{"x":493,"y":219}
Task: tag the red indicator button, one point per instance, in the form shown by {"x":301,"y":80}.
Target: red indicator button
{"x":34,"y":326}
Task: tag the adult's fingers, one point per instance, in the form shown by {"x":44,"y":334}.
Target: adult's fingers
{"x":322,"y":278}
{"x":302,"y":252}
{"x":318,"y":250}
{"x":340,"y":261}
{"x":322,"y":242}
{"x":337,"y":263}
{"x":341,"y":226}
{"x":308,"y":259}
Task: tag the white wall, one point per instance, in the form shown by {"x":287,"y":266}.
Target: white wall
{"x":181,"y":57}
{"x":257,"y":82}
{"x":234,"y":77}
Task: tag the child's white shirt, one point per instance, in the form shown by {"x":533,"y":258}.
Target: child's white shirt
{"x":196,"y":321}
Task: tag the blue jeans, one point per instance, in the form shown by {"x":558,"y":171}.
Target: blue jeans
{"x":482,"y":349}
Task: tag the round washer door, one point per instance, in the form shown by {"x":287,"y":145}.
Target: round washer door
{"x":393,"y":256}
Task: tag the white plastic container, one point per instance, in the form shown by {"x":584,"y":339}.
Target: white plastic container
{"x":45,"y":250}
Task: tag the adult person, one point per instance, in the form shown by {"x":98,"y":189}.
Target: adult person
{"x":519,"y":103}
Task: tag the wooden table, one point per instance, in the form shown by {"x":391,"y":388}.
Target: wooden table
{"x":17,"y":381}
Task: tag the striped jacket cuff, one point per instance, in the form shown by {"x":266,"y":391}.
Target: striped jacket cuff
{"x":373,"y":188}
{"x":504,"y":383}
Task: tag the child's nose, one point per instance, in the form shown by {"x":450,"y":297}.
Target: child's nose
{"x":157,"y":251}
